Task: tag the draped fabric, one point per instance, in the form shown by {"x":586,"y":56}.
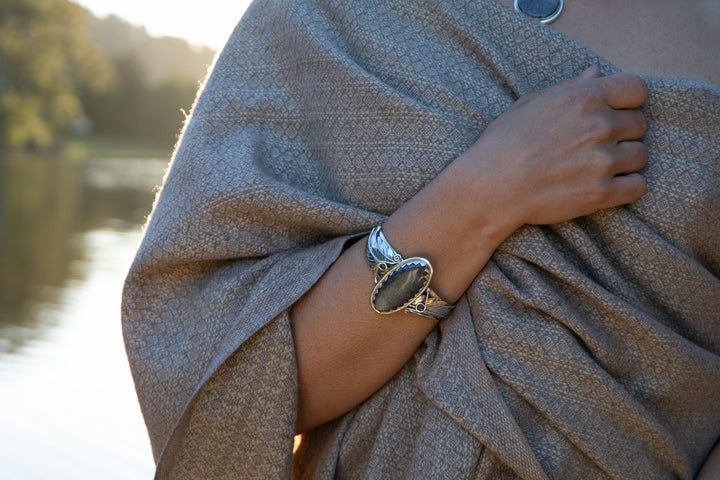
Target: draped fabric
{"x":588,"y":349}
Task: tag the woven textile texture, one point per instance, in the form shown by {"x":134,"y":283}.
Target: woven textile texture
{"x":588,"y":349}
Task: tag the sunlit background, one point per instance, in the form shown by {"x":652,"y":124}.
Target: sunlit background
{"x":92,"y":96}
{"x":206,"y":22}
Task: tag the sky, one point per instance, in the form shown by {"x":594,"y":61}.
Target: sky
{"x":200,"y":22}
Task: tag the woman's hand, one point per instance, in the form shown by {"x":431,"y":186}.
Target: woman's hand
{"x":566,"y":151}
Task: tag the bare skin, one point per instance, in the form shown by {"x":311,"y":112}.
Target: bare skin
{"x":656,"y":37}
{"x":495,"y":187}
{"x":653,"y":37}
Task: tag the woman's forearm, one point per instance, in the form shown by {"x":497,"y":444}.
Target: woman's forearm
{"x":559,"y":154}
{"x":345,"y":350}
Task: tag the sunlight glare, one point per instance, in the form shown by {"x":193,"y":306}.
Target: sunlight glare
{"x":209,"y":22}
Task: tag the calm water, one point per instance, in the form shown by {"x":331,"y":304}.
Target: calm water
{"x":68,"y":232}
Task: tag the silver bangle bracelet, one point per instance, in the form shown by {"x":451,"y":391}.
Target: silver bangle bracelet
{"x":402,"y":284}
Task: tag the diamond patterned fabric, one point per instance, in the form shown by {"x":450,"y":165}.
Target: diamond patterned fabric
{"x":588,"y":349}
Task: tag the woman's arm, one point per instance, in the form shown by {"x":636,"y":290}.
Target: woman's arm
{"x":558,"y":154}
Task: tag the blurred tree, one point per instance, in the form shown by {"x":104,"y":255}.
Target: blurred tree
{"x":157,"y":80}
{"x":46,"y":57}
{"x":139,"y":109}
{"x":162,"y":57}
{"x":59,"y":65}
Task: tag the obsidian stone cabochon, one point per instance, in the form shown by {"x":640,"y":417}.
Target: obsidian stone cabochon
{"x":401,"y":285}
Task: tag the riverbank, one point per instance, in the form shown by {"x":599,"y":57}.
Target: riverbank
{"x":70,"y":230}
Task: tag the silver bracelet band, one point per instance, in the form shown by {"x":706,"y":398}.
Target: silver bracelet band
{"x":402,"y":284}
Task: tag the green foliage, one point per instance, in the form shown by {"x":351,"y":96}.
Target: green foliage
{"x":139,"y":109}
{"x":161,"y":58}
{"x":60,"y":65}
{"x":46,"y":56}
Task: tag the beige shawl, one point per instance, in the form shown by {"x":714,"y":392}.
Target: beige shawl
{"x":588,"y":349}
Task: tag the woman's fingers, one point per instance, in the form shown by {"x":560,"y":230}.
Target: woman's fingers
{"x":620,"y":91}
{"x":626,"y":189}
{"x":629,"y":125}
{"x":631,"y":157}
{"x":623,"y":90}
{"x":578,"y":150}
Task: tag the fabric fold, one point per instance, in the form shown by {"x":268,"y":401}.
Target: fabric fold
{"x":471,"y":396}
{"x":588,"y":349}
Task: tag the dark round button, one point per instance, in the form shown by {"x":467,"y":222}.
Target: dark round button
{"x":543,"y":10}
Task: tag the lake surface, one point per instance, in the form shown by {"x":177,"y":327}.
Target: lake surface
{"x":68,"y":232}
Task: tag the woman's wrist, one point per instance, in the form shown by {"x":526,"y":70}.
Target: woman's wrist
{"x":455,"y":224}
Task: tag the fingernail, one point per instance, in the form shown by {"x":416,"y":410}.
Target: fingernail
{"x":592,"y":71}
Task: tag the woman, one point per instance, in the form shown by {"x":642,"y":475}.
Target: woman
{"x":585,"y":338}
